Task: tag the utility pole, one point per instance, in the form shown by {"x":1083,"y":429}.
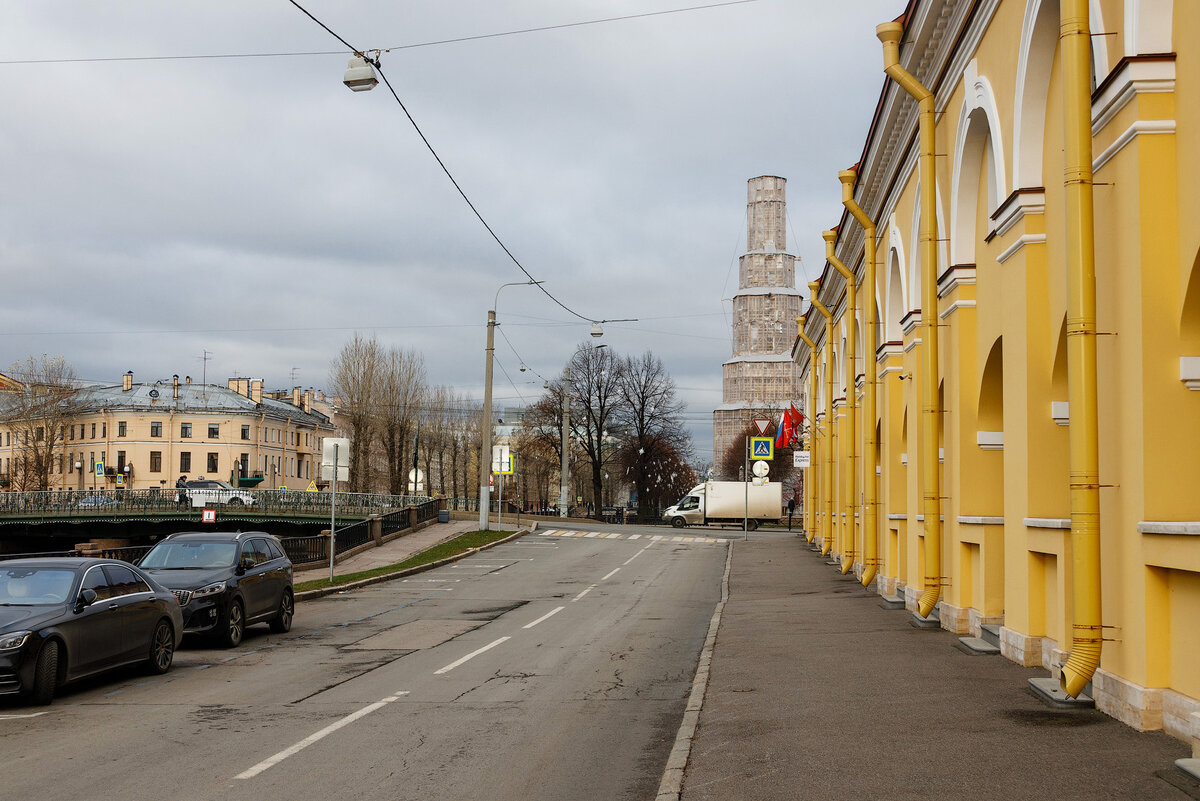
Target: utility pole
{"x":485,"y":426}
{"x":564,"y":487}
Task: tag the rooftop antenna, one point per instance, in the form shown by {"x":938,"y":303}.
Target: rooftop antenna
{"x":295,"y":370}
{"x":205,"y":356}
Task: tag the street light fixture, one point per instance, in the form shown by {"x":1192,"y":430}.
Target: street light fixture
{"x":485,"y":423}
{"x":360,"y":75}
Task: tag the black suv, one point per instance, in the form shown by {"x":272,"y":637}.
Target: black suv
{"x":225,"y":581}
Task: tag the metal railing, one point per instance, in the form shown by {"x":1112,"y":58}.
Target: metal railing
{"x":40,"y":555}
{"x":129,"y":554}
{"x":305,"y":550}
{"x":277,"y":503}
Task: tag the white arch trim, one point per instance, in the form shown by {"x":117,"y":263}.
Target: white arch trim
{"x":978,"y":122}
{"x":1039,"y":41}
{"x":1148,"y":26}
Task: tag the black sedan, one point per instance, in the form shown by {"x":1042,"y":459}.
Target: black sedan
{"x":63,"y":619}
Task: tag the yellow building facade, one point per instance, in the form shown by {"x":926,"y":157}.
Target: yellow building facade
{"x":147,"y":435}
{"x":1008,"y":334}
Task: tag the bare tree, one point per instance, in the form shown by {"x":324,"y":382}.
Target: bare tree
{"x":402,"y":392}
{"x":354,"y":379}
{"x":596,"y":401}
{"x":37,"y":415}
{"x":655,"y":441}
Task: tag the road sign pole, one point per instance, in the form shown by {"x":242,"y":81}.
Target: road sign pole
{"x":333,"y":514}
{"x":746,"y":487}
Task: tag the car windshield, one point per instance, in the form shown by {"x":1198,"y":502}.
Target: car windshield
{"x":34,"y":586}
{"x":191,"y":555}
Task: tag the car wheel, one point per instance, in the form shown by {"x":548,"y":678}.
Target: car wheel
{"x":235,"y":501}
{"x":162,"y":648}
{"x":287,"y":608}
{"x":751,"y":525}
{"x":677,"y":522}
{"x":45,"y":674}
{"x":235,"y":626}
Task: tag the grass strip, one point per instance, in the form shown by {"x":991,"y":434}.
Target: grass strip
{"x":454,"y":547}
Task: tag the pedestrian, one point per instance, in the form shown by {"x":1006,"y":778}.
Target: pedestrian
{"x":791,"y":508}
{"x":181,"y":497}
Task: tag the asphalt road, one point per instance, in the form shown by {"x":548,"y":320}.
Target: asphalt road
{"x":548,"y":668}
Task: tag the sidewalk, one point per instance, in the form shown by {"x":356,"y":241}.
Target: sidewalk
{"x":816,"y":692}
{"x":395,"y":551}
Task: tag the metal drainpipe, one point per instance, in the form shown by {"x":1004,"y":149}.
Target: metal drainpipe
{"x":1084,"y":432}
{"x":810,"y":486}
{"x":827,"y":483}
{"x":889,"y":34}
{"x":871,"y":370}
{"x":848,"y":552}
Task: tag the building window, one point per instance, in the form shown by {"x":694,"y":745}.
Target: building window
{"x":185,"y":462}
{"x":104,"y":429}
{"x":72,"y":432}
{"x":156,"y":429}
{"x":245,"y":432}
{"x":185,"y":430}
{"x":155,"y":461}
{"x":212,"y":462}
{"x":39,"y":434}
{"x":121,"y":428}
{"x":92,"y":461}
{"x":93,"y":430}
{"x":120,"y":461}
{"x":214,"y":430}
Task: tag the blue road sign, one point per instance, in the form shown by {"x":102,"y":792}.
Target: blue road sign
{"x":762,"y":448}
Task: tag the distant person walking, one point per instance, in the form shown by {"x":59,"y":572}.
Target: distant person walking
{"x":181,"y":496}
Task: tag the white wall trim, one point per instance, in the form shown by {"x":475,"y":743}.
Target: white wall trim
{"x":1061,"y":412}
{"x":977,"y":520}
{"x":1138,"y":128}
{"x":974,"y":138}
{"x":1024,"y":203}
{"x":1048,"y":522}
{"x":1022,"y":241}
{"x":955,"y":306}
{"x":912,"y":345}
{"x":1135,"y":77}
{"x":1189,"y":371}
{"x":955,"y":277}
{"x":1190,"y":528}
{"x":990,"y":440}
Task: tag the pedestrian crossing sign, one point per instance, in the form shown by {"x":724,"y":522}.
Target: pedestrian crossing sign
{"x":312,"y":487}
{"x":762,"y":448}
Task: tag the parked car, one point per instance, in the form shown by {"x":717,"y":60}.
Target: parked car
{"x":225,"y":581}
{"x":65,"y":618}
{"x":96,"y":502}
{"x":209,"y":492}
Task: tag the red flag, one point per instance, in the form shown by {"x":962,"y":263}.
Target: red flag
{"x":797,"y":421}
{"x":784,"y":434}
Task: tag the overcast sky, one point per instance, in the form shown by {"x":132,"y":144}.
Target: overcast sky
{"x":256,"y":209}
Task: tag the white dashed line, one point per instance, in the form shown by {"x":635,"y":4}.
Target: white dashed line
{"x":322,"y":734}
{"x":546,"y":616}
{"x":21,"y":717}
{"x":469,"y":656}
{"x":614,"y":572}
{"x":636,"y":555}
{"x":585,"y":592}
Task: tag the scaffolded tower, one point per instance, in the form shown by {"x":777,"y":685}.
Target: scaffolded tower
{"x":761,"y":378}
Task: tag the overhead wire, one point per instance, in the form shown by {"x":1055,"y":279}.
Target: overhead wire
{"x":433,"y":43}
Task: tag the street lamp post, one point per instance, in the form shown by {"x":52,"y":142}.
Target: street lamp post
{"x":485,"y":422}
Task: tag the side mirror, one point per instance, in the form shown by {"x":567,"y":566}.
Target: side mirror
{"x":86,"y":598}
{"x":245,"y":564}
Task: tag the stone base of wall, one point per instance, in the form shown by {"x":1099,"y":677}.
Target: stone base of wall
{"x":887,"y":584}
{"x":911,"y":596}
{"x":977,"y":620}
{"x":955,"y":619}
{"x":1148,"y":709}
{"x":1020,"y":648}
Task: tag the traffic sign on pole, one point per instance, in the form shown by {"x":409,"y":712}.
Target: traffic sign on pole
{"x":761,"y":424}
{"x":762,"y":448}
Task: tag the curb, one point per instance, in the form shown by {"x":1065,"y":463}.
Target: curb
{"x":672,"y":781}
{"x":309,"y":595}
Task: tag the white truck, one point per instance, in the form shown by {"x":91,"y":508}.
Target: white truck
{"x":725,"y":503}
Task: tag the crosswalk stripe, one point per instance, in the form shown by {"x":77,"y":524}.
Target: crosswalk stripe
{"x":635,"y":536}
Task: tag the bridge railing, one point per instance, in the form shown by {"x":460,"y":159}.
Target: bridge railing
{"x":289,"y":503}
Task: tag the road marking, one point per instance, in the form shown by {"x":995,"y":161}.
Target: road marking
{"x":639,"y":553}
{"x":21,"y":717}
{"x":322,"y":734}
{"x":469,"y":656}
{"x":677,"y":539}
{"x":472,"y":566}
{"x":591,"y":534}
{"x":544,"y":617}
{"x":614,"y":572}
{"x":612,"y":536}
{"x":585,"y":592}
{"x":635,"y":536}
{"x":656,"y":537}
